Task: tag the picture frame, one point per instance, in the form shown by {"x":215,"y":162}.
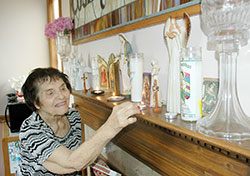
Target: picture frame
{"x":146,"y":90}
{"x":103,"y":73}
{"x":111,"y":71}
{"x":210,"y":88}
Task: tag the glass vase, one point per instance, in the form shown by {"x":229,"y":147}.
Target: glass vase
{"x":63,"y":45}
{"x":226,"y":24}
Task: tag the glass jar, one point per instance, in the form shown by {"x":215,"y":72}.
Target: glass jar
{"x":191,"y":83}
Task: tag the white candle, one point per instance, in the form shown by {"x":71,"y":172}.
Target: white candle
{"x":136,"y":76}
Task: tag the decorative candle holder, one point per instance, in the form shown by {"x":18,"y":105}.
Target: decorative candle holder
{"x":115,"y":98}
{"x":226,"y":23}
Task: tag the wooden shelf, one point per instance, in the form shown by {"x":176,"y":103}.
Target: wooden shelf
{"x":168,"y":147}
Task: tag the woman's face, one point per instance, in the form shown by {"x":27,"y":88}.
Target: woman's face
{"x":54,"y":97}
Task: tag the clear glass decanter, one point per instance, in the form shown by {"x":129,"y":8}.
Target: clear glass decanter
{"x":226,"y":23}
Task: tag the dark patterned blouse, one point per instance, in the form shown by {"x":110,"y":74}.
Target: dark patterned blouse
{"x":38,"y":141}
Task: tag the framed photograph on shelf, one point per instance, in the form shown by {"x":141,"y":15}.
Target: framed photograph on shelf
{"x":146,"y":88}
{"x":210,"y":89}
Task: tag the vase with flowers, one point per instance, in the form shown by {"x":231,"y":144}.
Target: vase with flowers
{"x":60,"y":29}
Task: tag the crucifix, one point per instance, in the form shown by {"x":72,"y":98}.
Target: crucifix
{"x":84,"y":83}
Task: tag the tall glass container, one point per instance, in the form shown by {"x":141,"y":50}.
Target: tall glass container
{"x":63,"y":45}
{"x":136,"y":76}
{"x":226,"y":23}
{"x":191,"y":83}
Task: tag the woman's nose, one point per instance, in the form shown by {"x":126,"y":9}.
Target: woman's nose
{"x":60,"y":94}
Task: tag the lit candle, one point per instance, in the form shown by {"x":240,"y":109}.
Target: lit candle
{"x":98,"y":91}
{"x":115,"y":97}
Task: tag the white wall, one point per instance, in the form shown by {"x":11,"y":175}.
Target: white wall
{"x":149,"y":41}
{"x":23,"y":45}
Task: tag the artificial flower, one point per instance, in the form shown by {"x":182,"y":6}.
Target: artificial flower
{"x":61,"y":24}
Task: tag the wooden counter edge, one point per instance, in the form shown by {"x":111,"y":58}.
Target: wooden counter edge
{"x":228,"y":147}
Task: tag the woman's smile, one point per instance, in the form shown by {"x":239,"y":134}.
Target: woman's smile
{"x":60,"y":104}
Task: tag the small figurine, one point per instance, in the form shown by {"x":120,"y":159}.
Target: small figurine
{"x":146,"y":88}
{"x":95,"y":73}
{"x":126,"y":47}
{"x":84,"y":83}
{"x":155,"y":88}
{"x":77,"y":76}
{"x":155,"y":96}
{"x":176,"y":37}
{"x":125,"y":51}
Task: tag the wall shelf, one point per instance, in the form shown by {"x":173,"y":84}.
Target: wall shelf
{"x":192,"y":8}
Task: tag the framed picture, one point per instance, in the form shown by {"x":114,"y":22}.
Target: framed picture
{"x":103,"y":73}
{"x":210,"y":90}
{"x":111,"y":71}
{"x":146,"y":92}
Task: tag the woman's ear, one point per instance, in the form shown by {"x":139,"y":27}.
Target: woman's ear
{"x":37,"y":107}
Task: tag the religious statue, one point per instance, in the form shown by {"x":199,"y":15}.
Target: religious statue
{"x":155,"y":89}
{"x":176,"y":37}
{"x":84,"y":77}
{"x":125,"y":51}
{"x":126,"y":47}
{"x":77,"y":76}
{"x":146,"y":88}
{"x":95,"y":73}
{"x":155,"y":100}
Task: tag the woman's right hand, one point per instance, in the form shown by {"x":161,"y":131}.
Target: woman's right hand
{"x":122,"y":116}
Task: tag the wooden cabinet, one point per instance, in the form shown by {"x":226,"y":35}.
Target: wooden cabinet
{"x":168,"y":147}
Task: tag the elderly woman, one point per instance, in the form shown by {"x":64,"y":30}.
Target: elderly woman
{"x":50,"y":139}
